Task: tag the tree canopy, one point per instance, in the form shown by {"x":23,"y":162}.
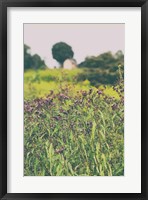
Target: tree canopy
{"x":62,"y":51}
{"x":104,"y":61}
{"x":32,"y":61}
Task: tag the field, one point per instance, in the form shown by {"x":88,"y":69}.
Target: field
{"x":73,"y":126}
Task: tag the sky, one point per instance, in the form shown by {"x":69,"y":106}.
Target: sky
{"x":85,"y":39}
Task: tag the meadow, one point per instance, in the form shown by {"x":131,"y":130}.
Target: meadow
{"x":73,"y":126}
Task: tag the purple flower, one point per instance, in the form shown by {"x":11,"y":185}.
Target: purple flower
{"x":114,"y":106}
{"x":100,"y":92}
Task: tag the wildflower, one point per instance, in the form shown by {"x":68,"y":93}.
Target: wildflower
{"x":63,"y":97}
{"x":28,"y":108}
{"x":100,"y":92}
{"x":84,"y":93}
{"x":114,"y":106}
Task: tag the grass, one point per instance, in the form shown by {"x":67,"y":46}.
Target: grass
{"x":72,"y":128}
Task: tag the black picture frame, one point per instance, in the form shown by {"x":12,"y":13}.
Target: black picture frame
{"x":4,"y":4}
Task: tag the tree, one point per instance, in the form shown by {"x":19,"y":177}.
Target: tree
{"x":37,"y":62}
{"x":27,"y":57}
{"x":32,"y":62}
{"x":62,"y":51}
{"x":104,"y":61}
{"x":119,"y":57}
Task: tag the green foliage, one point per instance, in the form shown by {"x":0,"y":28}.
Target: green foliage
{"x":98,"y":76}
{"x":75,"y":129}
{"x":38,"y":83}
{"x":32,"y":62}
{"x":61,"y":51}
{"x":105,"y":61}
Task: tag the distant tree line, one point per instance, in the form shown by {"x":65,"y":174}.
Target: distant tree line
{"x":32,"y":61}
{"x":104,"y":61}
{"x":102,"y":69}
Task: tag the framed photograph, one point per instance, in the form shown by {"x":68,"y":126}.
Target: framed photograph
{"x":73,"y":99}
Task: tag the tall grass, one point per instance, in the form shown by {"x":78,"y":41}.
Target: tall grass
{"x":75,"y":129}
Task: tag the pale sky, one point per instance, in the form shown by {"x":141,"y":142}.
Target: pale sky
{"x":85,"y":39}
